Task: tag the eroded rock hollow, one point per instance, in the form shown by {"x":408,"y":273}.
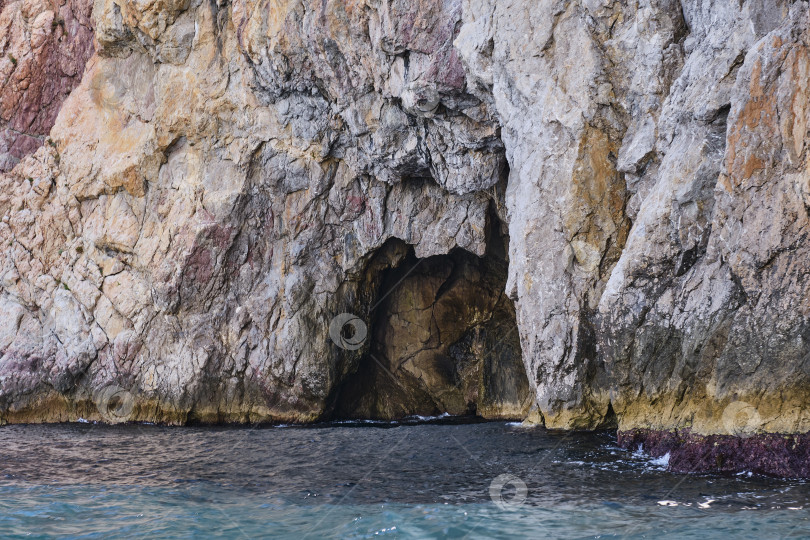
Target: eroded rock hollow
{"x":229,"y":176}
{"x":443,"y":339}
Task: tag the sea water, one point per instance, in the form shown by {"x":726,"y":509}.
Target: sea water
{"x":368,"y":480}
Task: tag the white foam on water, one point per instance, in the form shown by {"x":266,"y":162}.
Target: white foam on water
{"x":427,"y":418}
{"x":662,"y":461}
{"x":523,"y":425}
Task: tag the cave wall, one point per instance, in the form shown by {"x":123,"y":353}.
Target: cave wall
{"x":443,"y":339}
{"x":226,"y":173}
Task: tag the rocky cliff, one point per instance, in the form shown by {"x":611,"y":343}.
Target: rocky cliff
{"x":45,"y":46}
{"x":591,"y":213}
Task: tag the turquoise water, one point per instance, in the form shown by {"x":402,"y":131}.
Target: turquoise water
{"x":350,"y":481}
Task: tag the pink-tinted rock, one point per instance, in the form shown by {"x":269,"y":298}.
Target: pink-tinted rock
{"x":766,"y":453}
{"x":44,"y":51}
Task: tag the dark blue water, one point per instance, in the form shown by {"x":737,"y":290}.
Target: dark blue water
{"x":347,"y":481}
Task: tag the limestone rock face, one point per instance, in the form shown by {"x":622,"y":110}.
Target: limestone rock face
{"x":655,"y":220}
{"x":708,"y":305}
{"x":43,"y":49}
{"x":231,"y":178}
{"x":218,"y":185}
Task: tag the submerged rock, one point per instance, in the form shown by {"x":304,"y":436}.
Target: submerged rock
{"x":230,"y":179}
{"x":770,"y":454}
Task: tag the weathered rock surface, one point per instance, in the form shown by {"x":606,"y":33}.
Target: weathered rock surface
{"x":44,"y":46}
{"x":222,"y":178}
{"x":710,"y":307}
{"x":230,"y":177}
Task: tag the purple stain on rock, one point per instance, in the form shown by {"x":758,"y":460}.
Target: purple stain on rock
{"x":43,"y":77}
{"x":773,"y":454}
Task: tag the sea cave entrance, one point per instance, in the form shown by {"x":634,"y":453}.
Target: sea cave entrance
{"x":442,"y":337}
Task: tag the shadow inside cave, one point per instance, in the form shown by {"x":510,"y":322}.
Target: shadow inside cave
{"x":442,"y":338}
